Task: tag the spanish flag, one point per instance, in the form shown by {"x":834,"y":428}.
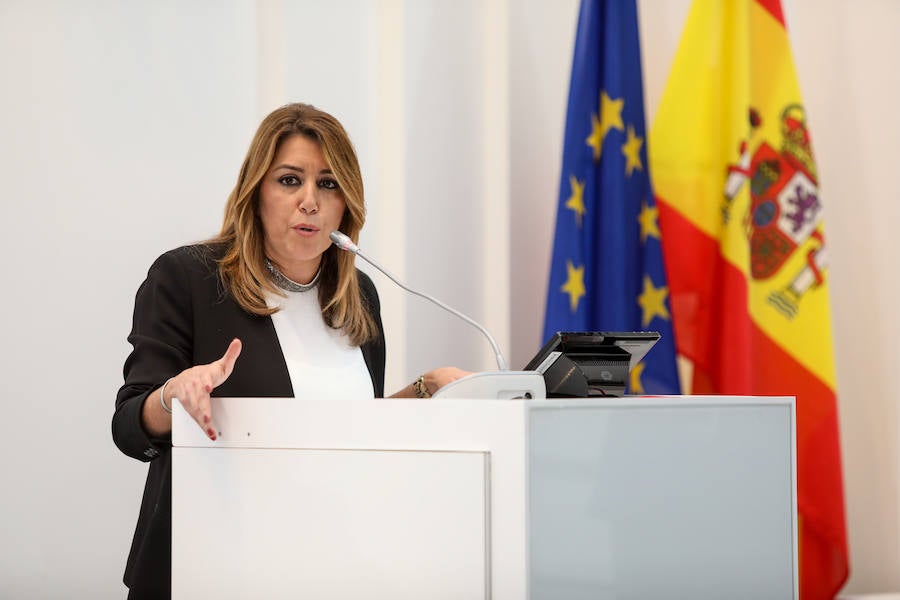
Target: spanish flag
{"x":741,"y":218}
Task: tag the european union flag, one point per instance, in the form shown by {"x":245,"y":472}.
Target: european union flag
{"x":607,"y":272}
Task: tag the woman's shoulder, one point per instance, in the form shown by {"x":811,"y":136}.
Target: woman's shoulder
{"x":367,"y":286}
{"x":365,"y":281}
{"x":202,"y":257}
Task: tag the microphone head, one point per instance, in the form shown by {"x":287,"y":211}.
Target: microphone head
{"x":343,"y":242}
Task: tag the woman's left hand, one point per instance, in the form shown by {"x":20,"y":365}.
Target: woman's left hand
{"x":438,"y":378}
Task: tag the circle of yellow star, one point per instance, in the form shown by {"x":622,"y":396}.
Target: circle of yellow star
{"x":576,"y":200}
{"x":649,"y":221}
{"x":653,"y":301}
{"x":634,"y":379}
{"x":632,"y":151}
{"x":574,"y":285}
{"x":610,"y":118}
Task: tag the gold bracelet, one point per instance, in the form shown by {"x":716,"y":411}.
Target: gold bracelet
{"x":162,"y":397}
{"x":421,"y":388}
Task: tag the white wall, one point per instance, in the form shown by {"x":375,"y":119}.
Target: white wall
{"x":846,"y":59}
{"x":122,"y":128}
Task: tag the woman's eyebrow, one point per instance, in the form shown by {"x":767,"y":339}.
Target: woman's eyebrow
{"x":290,"y":167}
{"x":301,"y":169}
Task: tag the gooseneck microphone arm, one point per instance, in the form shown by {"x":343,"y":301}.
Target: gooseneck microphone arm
{"x":345,"y":243}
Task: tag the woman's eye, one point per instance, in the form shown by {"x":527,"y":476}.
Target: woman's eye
{"x":329,"y":184}
{"x":289,"y":180}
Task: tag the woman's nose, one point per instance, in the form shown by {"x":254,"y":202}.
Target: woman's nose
{"x":308,"y":203}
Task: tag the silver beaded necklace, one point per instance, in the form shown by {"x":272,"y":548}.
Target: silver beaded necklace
{"x":290,"y":285}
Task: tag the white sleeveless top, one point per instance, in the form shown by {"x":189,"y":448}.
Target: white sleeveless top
{"x":321,"y":361}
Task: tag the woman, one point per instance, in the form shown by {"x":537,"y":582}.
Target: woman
{"x":268,"y":308}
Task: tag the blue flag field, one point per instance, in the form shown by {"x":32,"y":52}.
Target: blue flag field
{"x":607,"y":269}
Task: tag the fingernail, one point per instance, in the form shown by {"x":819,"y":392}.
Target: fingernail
{"x":211,"y":434}
{"x":206,"y":419}
{"x":208,"y":388}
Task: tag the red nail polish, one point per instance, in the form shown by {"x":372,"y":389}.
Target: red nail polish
{"x":208,"y":388}
{"x":206,"y":419}
{"x":211,"y":433}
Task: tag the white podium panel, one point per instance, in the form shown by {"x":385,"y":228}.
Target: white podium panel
{"x":624,"y":498}
{"x":329,"y":524}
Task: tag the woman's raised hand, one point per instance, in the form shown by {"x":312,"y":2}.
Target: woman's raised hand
{"x":192,"y":387}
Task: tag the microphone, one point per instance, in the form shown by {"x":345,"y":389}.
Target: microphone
{"x":345,"y":243}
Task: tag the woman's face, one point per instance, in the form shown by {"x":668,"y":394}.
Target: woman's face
{"x":300,"y":204}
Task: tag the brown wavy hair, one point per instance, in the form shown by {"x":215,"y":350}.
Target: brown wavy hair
{"x":242,"y":268}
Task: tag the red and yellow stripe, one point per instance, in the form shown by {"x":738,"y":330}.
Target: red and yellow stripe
{"x":734,"y":56}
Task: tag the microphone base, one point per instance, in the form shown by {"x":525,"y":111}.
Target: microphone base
{"x":496,"y":385}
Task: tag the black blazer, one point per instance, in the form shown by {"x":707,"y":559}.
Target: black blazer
{"x":183,"y":317}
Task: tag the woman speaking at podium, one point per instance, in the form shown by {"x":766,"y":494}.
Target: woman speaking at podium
{"x":268,"y":308}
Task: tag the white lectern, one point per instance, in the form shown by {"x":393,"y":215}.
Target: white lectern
{"x":627,"y":498}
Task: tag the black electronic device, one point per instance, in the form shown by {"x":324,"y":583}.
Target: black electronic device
{"x":581,"y":364}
